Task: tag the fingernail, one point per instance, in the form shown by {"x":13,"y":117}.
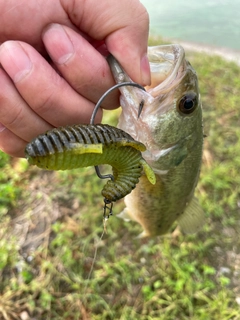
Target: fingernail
{"x":2,"y":127}
{"x":145,"y":71}
{"x":58,"y":44}
{"x":15,"y":60}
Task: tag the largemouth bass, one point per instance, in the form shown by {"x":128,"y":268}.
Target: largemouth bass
{"x":170,"y":126}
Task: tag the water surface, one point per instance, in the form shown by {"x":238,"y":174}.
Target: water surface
{"x":208,"y":22}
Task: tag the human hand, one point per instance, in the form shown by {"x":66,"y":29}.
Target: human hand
{"x":36,"y":95}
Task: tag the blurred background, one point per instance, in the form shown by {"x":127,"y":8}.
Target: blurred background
{"x":207,"y":22}
{"x":55,"y":262}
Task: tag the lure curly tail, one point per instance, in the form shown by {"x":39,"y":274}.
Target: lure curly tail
{"x":81,"y":146}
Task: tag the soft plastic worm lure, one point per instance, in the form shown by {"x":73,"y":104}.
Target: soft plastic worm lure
{"x":80,"y":146}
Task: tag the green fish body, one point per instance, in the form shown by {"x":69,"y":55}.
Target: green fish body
{"x":170,"y":126}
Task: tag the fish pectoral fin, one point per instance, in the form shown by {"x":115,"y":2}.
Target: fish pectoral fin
{"x":180,"y":156}
{"x":148,"y":171}
{"x":142,"y":235}
{"x":177,"y":155}
{"x":172,"y":156}
{"x":193,"y":217}
{"x":81,"y":148}
{"x":124,"y":215}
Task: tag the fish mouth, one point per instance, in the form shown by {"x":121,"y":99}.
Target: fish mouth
{"x":165,"y":62}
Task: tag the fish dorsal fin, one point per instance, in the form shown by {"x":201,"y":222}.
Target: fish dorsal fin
{"x":193,"y":217}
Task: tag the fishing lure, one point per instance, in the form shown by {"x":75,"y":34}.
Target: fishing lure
{"x":79,"y":146}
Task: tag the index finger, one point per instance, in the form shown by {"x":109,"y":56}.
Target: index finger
{"x":124,"y":25}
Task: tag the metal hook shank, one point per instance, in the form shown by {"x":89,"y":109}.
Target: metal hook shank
{"x":123,"y":84}
{"x":97,"y":106}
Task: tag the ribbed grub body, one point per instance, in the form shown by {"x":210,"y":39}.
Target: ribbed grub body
{"x":60,"y":149}
{"x":126,"y":171}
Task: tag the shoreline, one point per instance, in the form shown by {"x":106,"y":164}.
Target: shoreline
{"x":226,"y":53}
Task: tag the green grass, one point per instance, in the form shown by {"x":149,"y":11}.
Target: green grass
{"x":51,"y":227}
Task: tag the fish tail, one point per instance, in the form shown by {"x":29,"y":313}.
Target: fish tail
{"x":193,"y":217}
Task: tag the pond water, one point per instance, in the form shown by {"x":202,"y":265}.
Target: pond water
{"x":207,"y":22}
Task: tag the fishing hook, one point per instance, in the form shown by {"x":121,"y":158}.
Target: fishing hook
{"x":97,"y":106}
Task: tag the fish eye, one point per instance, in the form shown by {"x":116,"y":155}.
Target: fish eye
{"x":188,"y":103}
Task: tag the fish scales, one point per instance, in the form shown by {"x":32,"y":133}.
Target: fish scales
{"x":170,"y":126}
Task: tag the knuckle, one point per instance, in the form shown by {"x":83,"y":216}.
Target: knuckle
{"x":13,"y":119}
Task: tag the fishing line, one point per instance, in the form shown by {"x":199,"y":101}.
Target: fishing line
{"x":95,"y":110}
{"x":94,"y":257}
